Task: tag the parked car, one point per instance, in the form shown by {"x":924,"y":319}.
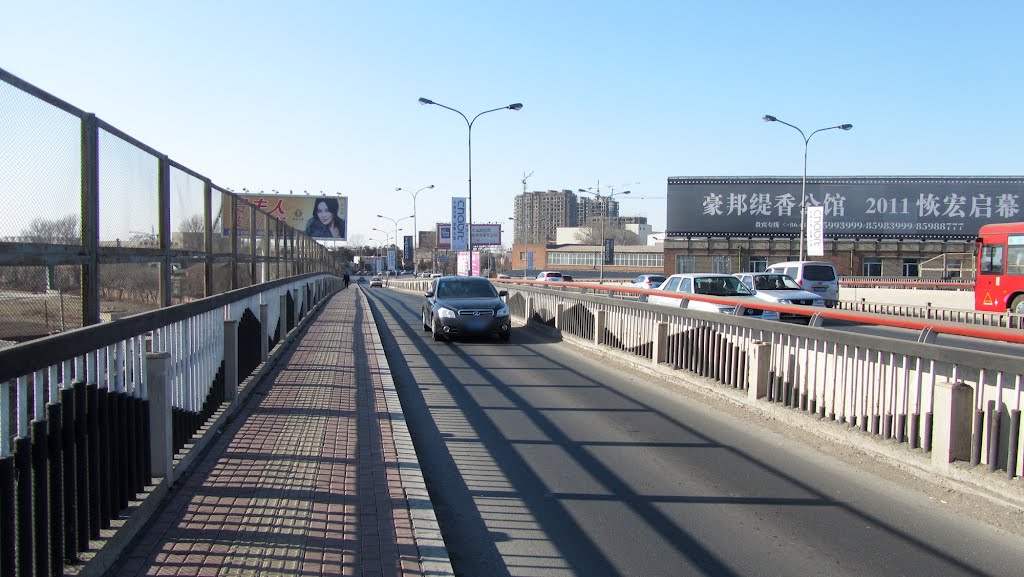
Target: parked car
{"x":781,"y":289}
{"x":648,"y":281}
{"x":376,"y":281}
{"x":465,"y":305}
{"x":709,"y":284}
{"x":814,"y":276}
{"x":503,"y":275}
{"x":550,"y":275}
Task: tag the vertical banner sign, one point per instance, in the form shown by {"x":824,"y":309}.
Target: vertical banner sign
{"x":407,"y":252}
{"x":462,"y":264}
{"x":529,"y":260}
{"x":609,"y":251}
{"x":378,"y":265}
{"x":459,"y":230}
{"x":391,"y":259}
{"x":815,"y":231}
{"x":474,"y":262}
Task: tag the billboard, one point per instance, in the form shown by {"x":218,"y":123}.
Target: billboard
{"x":407,"y":251}
{"x":457,"y":234}
{"x":483,"y":235}
{"x":322,"y":217}
{"x":952,"y":207}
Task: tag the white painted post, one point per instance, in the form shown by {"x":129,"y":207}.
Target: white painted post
{"x":160,"y":442}
{"x":264,"y":342}
{"x":230,"y":360}
{"x":660,"y":353}
{"x":758,"y":363}
{"x":952,"y":422}
{"x":282,"y":318}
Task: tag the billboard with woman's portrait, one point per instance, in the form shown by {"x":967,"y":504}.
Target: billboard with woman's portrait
{"x":321,"y":217}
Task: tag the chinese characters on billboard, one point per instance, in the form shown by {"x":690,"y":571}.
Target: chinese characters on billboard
{"x":865,"y":207}
{"x":483,"y":235}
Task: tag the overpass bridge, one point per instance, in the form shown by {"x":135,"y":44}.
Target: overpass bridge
{"x":256,"y":430}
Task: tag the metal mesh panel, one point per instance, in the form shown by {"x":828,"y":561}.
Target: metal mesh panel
{"x":187,"y":221}
{"x":37,"y":300}
{"x":188,"y":283}
{"x":128,"y":195}
{"x":40,"y":170}
{"x":222,"y":222}
{"x":128,"y":288}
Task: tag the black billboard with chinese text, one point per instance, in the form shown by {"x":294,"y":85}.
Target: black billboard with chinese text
{"x":858,"y":207}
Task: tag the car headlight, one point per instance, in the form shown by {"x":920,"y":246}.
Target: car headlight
{"x":785,"y":302}
{"x":446,"y":313}
{"x":502,"y":312}
{"x":727,"y":310}
{"x":818,"y":303}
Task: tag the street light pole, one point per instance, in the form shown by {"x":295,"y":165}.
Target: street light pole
{"x":803,"y":185}
{"x":415,"y":228}
{"x":395,"y":222}
{"x":469,"y":199}
{"x":604,"y":218}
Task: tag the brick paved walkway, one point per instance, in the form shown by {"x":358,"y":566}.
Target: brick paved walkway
{"x":317,"y":476}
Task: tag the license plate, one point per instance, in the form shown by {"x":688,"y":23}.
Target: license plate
{"x":820,"y":289}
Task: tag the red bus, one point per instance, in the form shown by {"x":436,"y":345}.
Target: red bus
{"x":999,"y":274}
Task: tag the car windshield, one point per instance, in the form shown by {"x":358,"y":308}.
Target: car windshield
{"x":720,"y":286}
{"x":656,"y":278}
{"x":775,"y":282}
{"x":465,"y":289}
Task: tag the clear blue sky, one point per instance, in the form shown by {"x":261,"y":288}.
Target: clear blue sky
{"x":323,"y":95}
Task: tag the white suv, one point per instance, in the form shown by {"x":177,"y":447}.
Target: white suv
{"x":550,"y":275}
{"x":709,"y":284}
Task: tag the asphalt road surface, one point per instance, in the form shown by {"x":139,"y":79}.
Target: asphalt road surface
{"x":542,"y":460}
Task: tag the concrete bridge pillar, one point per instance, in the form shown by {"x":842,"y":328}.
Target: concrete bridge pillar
{"x":660,"y":353}
{"x":230,"y":360}
{"x":952,"y":421}
{"x":758,"y":363}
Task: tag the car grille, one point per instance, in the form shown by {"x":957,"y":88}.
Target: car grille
{"x":476,"y":312}
{"x":807,"y":302}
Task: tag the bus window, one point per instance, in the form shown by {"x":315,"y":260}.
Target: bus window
{"x":1015,"y":255}
{"x":992,"y":259}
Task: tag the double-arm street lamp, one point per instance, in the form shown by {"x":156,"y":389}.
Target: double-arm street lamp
{"x":415,"y":229}
{"x":803,"y":186}
{"x":469,"y":125}
{"x":395,"y":222}
{"x":603,"y":201}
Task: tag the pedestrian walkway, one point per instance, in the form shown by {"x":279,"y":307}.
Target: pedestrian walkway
{"x":316,"y":475}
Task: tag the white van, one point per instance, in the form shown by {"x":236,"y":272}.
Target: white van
{"x":814,"y":276}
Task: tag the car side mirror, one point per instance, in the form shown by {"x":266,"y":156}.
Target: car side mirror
{"x":502,"y":293}
{"x":428,"y":294}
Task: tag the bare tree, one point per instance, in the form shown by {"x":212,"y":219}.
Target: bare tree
{"x":63,"y":230}
{"x":192,"y":231}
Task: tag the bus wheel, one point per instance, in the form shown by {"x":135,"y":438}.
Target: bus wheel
{"x":1018,"y":305}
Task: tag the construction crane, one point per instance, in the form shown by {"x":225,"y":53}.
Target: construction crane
{"x":526,"y":176}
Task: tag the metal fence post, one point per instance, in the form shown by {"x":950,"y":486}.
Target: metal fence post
{"x":161,"y":440}
{"x":559,"y":316}
{"x":599,"y":322}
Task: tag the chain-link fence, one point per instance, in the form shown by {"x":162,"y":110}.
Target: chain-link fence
{"x":96,"y":225}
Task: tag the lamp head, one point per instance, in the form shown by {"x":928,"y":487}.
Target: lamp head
{"x":426,"y":101}
{"x":431,"y":186}
{"x":398,"y":188}
{"x":766,"y":117}
{"x":516,"y":106}
{"x":845,"y":126}
{"x":380,"y":216}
